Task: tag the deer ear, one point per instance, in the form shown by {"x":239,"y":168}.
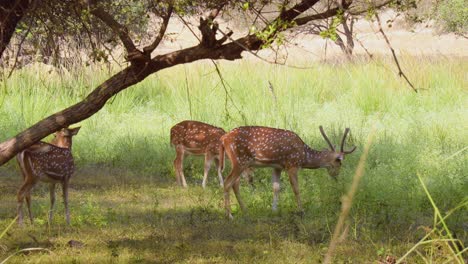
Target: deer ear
{"x":75,"y":130}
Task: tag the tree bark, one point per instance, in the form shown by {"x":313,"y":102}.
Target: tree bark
{"x":135,"y":73}
{"x":120,"y":81}
{"x":11,"y":13}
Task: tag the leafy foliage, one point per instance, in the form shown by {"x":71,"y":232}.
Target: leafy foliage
{"x":331,"y":32}
{"x":453,"y":16}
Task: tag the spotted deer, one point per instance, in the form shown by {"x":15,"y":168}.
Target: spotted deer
{"x":255,"y":146}
{"x":50,"y":163}
{"x":196,"y":138}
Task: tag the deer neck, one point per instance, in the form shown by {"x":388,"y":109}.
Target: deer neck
{"x":61,"y":143}
{"x":313,"y":158}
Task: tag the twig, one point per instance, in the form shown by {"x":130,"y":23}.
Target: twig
{"x":272,"y":90}
{"x":188,"y":93}
{"x":19,"y":50}
{"x":400,"y":71}
{"x":263,"y":59}
{"x":224,"y":84}
{"x":371,"y":56}
{"x":188,"y":26}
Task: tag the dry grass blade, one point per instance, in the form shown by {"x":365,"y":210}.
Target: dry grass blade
{"x":25,"y":250}
{"x":455,"y":154}
{"x":8,"y":227}
{"x":348,"y":198}
{"x":423,"y":240}
{"x":444,"y":225}
{"x":400,"y":71}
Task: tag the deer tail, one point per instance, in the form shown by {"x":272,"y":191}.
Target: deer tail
{"x":20,"y":157}
{"x":221,"y":156}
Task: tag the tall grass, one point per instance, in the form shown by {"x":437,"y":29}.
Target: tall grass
{"x":415,"y":132}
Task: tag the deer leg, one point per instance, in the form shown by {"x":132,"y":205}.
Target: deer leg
{"x":247,"y":175}
{"x":228,"y":184}
{"x":292,"y":173}
{"x":220,"y":174}
{"x":65,"y":201}
{"x":52,"y":201}
{"x":178,"y":167}
{"x":208,"y":161}
{"x":235,"y":187}
{"x":28,"y":203}
{"x":182,"y":176}
{"x":20,"y":198}
{"x":276,"y":188}
{"x":24,"y":192}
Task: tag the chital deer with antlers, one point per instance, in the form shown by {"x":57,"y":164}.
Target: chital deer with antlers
{"x":196,"y":138}
{"x":47,"y":162}
{"x":255,"y":146}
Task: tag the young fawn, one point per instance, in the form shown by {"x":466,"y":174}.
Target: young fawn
{"x":50,"y":163}
{"x":255,"y":146}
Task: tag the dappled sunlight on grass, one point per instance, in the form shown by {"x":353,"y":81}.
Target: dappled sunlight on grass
{"x":126,"y":207}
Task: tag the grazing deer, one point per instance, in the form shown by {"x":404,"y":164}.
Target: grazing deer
{"x":47,"y":162}
{"x":196,"y":138}
{"x":254,"y":146}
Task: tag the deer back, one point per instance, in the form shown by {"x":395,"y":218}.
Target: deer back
{"x":265,"y":146}
{"x":48,"y":162}
{"x":196,"y":137}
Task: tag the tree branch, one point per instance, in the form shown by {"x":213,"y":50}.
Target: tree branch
{"x":148,"y":49}
{"x":327,"y":14}
{"x":208,"y":29}
{"x":133,"y":54}
{"x":215,"y":12}
{"x":131,"y":75}
{"x":333,"y":11}
{"x":400,"y":71}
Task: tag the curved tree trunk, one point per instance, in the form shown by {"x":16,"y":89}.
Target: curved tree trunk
{"x":120,"y":81}
{"x":139,"y":70}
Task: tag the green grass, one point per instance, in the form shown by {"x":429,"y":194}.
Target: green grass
{"x":125,"y":206}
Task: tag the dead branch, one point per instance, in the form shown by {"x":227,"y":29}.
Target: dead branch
{"x":400,"y":71}
{"x":371,"y":56}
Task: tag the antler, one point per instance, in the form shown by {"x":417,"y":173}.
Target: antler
{"x":326,"y":138}
{"x":343,"y":141}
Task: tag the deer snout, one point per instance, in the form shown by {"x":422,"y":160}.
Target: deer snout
{"x":334,"y":172}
